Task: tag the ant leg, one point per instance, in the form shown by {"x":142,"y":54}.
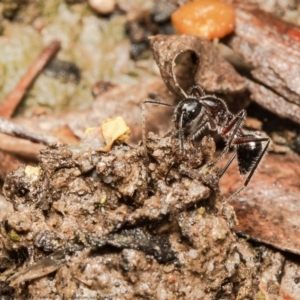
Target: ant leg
{"x":181,"y":135}
{"x":199,"y":129}
{"x":221,"y":173}
{"x":167,"y":174}
{"x":240,"y":141}
{"x":235,"y":124}
{"x":153,"y":102}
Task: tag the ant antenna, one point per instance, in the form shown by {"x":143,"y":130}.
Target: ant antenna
{"x":153,"y":102}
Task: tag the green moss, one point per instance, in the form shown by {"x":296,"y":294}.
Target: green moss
{"x":14,"y":236}
{"x":242,"y":271}
{"x":261,"y":296}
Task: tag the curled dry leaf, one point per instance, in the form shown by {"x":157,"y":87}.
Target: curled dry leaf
{"x":272,"y":216}
{"x":208,"y":68}
{"x":114,"y":129}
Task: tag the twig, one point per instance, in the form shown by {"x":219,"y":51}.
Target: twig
{"x":12,"y":100}
{"x":13,"y":129}
{"x":20,"y":147}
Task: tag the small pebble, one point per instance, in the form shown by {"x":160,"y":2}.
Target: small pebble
{"x":152,"y":166}
{"x":103,"y":6}
{"x":101,"y":87}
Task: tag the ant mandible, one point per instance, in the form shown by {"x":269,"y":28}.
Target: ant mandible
{"x":196,"y":111}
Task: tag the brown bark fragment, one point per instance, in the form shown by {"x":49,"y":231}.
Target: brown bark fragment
{"x":271,"y":49}
{"x":268,"y":210}
{"x":274,"y":102}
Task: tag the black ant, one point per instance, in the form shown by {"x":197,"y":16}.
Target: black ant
{"x":196,"y":111}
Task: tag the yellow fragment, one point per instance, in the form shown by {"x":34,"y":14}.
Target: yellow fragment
{"x":103,"y":200}
{"x":90,"y":129}
{"x":14,"y":236}
{"x":114,"y":129}
{"x":32,"y":172}
{"x":201,"y":210}
{"x":261,"y":296}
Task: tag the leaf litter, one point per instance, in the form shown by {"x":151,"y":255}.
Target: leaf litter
{"x":111,"y":225}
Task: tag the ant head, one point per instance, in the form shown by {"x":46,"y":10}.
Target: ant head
{"x":187,"y":111}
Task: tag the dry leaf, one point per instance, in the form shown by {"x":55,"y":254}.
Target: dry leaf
{"x":268,"y":210}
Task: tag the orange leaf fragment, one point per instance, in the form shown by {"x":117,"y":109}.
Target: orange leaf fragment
{"x":204,"y":18}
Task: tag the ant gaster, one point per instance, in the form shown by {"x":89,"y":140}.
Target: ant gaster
{"x":196,"y":111}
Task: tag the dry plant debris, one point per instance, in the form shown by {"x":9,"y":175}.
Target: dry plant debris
{"x":114,"y":129}
{"x":106,"y":224}
{"x":207,"y":66}
{"x":212,"y":71}
{"x":10,"y":128}
{"x":140,"y":240}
